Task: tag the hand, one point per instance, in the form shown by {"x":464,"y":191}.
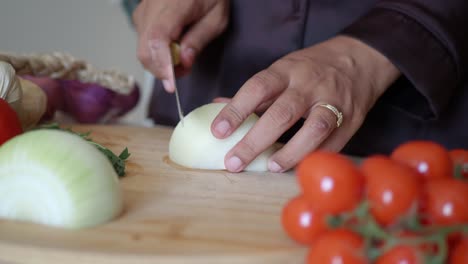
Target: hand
{"x":342,"y":71}
{"x":192,"y":22}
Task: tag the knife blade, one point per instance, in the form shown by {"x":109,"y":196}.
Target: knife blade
{"x":175,"y":58}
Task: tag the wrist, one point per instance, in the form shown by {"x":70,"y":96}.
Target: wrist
{"x":376,"y":69}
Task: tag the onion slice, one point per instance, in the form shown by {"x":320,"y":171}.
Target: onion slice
{"x":56,"y":178}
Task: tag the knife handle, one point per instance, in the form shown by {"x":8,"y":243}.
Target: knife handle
{"x":175,"y":53}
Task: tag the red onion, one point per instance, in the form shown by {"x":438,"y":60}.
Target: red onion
{"x":92,"y":103}
{"x":85,"y":102}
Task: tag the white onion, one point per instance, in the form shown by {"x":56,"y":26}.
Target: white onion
{"x":56,"y":178}
{"x":193,"y":145}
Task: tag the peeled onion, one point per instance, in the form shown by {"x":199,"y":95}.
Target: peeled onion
{"x":193,"y":145}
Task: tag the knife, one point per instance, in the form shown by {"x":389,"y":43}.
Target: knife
{"x":175,"y":58}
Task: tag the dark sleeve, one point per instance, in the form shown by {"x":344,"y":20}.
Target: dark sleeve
{"x":426,"y":40}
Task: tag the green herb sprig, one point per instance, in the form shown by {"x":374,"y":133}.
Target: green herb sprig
{"x":118,"y":162}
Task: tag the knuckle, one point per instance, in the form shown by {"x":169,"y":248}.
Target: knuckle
{"x":331,"y":71}
{"x":222,"y":25}
{"x":298,"y":99}
{"x":247,"y":149}
{"x":144,"y":56}
{"x":282,"y":114}
{"x":330,"y":84}
{"x":317,"y":74}
{"x":323,"y":123}
{"x":261,"y":84}
{"x":336,"y":77}
{"x":219,"y":27}
{"x":273,"y":76}
{"x":258,"y":86}
{"x":234,"y":114}
{"x":346,"y":63}
{"x":214,"y":28}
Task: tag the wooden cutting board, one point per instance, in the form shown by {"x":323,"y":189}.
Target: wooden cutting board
{"x":172,"y":214}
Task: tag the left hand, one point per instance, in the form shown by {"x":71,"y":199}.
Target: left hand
{"x":342,"y":72}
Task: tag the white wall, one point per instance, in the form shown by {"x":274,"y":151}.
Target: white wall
{"x":97,"y":31}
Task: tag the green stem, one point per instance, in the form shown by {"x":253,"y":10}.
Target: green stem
{"x":444,"y":230}
{"x":362,"y":222}
{"x":118,"y":162}
{"x":458,"y":172}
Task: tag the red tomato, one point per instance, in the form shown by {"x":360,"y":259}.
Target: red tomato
{"x":392,"y":188}
{"x":330,"y":182}
{"x":444,"y":201}
{"x":337,"y":246}
{"x":429,"y":159}
{"x":401,"y":254}
{"x":459,"y":254}
{"x":460,"y":158}
{"x":301,"y":222}
{"x":10,"y":124}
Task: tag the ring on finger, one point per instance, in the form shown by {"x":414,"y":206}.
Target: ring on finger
{"x":336,"y":112}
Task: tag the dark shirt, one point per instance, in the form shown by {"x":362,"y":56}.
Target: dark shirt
{"x":426,"y":40}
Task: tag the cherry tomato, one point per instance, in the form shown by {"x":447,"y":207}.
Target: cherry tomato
{"x":392,"y":188}
{"x":459,"y":254}
{"x":330,"y":182}
{"x":444,"y":201}
{"x":429,"y":159}
{"x":10,"y":124}
{"x":401,"y":254}
{"x":337,"y":246}
{"x":301,"y":222}
{"x":460,"y":158}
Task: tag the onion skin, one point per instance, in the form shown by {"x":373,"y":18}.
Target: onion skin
{"x":52,"y":89}
{"x":33,"y":104}
{"x":92,"y":103}
{"x":85,"y":102}
{"x":126,"y":102}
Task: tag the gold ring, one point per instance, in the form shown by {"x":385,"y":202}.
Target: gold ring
{"x":338,"y":114}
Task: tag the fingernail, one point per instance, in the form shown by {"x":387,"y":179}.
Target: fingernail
{"x":222,"y":128}
{"x":274,"y":167}
{"x":234,"y":164}
{"x":167,"y":85}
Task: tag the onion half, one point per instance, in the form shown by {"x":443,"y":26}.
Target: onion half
{"x":56,"y":178}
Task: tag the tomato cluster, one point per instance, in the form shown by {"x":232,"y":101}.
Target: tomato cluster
{"x":10,"y":124}
{"x":407,"y":207}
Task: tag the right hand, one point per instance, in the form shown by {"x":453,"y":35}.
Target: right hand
{"x":192,"y":22}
